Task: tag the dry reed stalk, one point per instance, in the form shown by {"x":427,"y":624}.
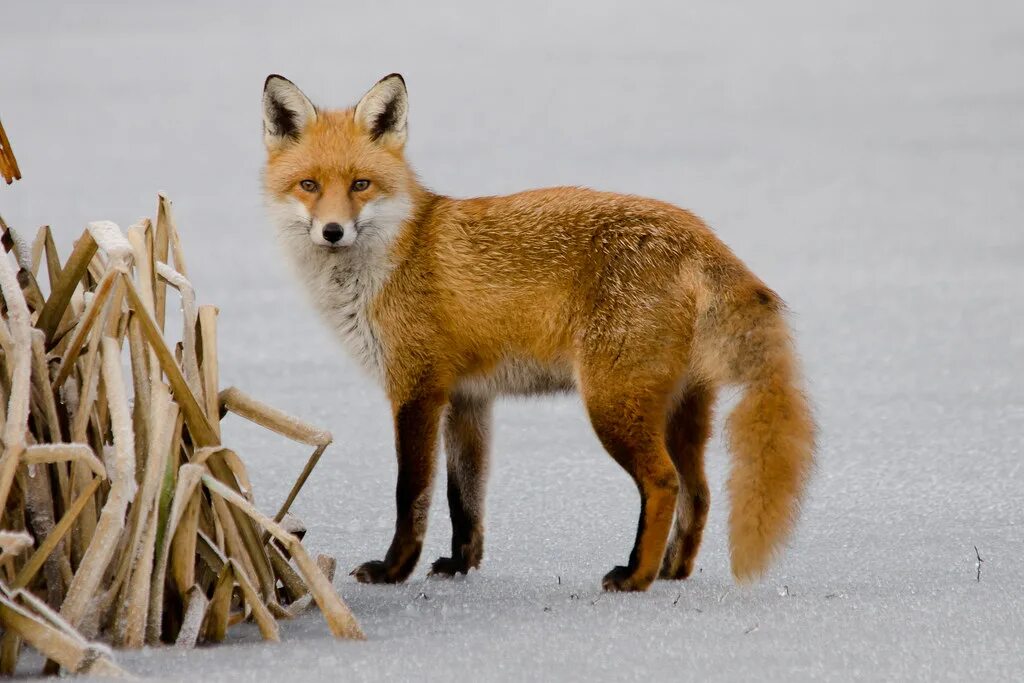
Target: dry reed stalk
{"x":196,"y":603}
{"x":209,"y":552}
{"x":72,"y":272}
{"x":8,"y":164}
{"x":132,"y":617}
{"x":190,"y":315}
{"x":291,"y":582}
{"x":209,"y":372}
{"x":182,"y":528}
{"x":39,"y":514}
{"x":19,"y":363}
{"x":104,"y":542}
{"x":261,"y":613}
{"x":38,"y":248}
{"x":172,"y":233}
{"x":162,"y":514}
{"x":12,"y":543}
{"x":53,"y":266}
{"x":217,"y":613}
{"x":29,"y":569}
{"x":161,"y":246}
{"x":13,"y":243}
{"x":65,"y":452}
{"x":84,"y":327}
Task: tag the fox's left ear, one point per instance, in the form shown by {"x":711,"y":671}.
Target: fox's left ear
{"x":286,"y":111}
{"x":384,"y":109}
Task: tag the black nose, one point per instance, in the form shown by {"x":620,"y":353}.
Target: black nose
{"x":333,"y":232}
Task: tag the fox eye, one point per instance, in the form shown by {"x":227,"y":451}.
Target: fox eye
{"x":360,"y":185}
{"x":309,"y":185}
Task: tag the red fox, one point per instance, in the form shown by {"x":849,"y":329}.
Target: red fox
{"x":449,"y":303}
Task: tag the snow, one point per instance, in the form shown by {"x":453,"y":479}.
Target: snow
{"x":864,"y":158}
{"x":111,"y":239}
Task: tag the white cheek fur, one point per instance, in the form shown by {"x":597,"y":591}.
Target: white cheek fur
{"x":385,"y":215}
{"x":288,"y":214}
{"x":348,"y":238}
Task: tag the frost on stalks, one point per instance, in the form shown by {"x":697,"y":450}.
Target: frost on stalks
{"x":111,"y":240}
{"x":20,"y":328}
{"x":190,"y":316}
{"x":12,"y":544}
{"x":22,"y":252}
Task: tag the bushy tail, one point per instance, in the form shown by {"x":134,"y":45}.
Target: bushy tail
{"x":771,"y":435}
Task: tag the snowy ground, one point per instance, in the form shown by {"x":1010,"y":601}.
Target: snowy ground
{"x":865,"y":158}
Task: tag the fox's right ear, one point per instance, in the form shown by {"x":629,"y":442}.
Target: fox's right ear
{"x":383,"y":111}
{"x":286,"y":111}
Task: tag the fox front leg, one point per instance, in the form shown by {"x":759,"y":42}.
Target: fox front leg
{"x":416,"y":426}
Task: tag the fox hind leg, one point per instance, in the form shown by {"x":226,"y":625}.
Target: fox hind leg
{"x":630,"y":424}
{"x":466,"y":439}
{"x":687,"y":432}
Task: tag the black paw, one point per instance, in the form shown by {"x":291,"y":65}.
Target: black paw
{"x":449,"y":566}
{"x":624,"y":579}
{"x":374,"y":572}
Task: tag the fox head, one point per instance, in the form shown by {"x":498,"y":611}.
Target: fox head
{"x":338,"y":176}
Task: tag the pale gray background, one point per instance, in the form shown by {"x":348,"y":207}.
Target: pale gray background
{"x":865,"y":158}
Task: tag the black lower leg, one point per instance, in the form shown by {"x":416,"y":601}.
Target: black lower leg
{"x":689,"y":426}
{"x":466,"y":441}
{"x":467,"y":536}
{"x":416,"y":432}
{"x":620,"y":573}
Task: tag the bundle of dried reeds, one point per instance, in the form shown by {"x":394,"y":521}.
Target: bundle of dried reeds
{"x":142,"y":523}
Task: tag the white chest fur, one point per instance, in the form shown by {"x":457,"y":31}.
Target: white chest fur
{"x":342,"y":286}
{"x":342,"y":290}
{"x":346,"y":304}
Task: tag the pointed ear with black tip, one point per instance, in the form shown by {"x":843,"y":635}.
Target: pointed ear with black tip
{"x":286,"y":112}
{"x":383,"y":111}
